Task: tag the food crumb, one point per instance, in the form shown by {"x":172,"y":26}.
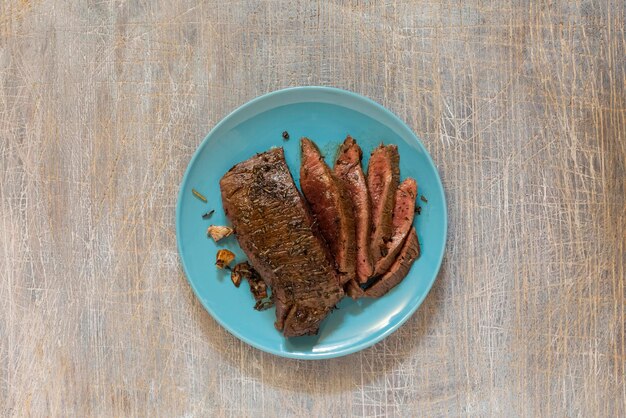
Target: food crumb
{"x":423,"y":199}
{"x":223,"y":258}
{"x":235,"y":276}
{"x":261,"y":305}
{"x":418,"y":210}
{"x":218,"y":232}
{"x":285,"y":135}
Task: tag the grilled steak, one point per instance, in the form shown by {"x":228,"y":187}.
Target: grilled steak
{"x":348,"y":170}
{"x":275,"y":230}
{"x":383,"y":175}
{"x":331,"y":207}
{"x":400,"y":268}
{"x":353,"y":290}
{"x":401,"y":223}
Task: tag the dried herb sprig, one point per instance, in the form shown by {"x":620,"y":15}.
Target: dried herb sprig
{"x":198,"y":195}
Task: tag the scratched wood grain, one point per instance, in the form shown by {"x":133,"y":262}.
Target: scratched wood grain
{"x":521,"y":104}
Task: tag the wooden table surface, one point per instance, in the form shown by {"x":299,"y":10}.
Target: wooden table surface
{"x":522,"y":106}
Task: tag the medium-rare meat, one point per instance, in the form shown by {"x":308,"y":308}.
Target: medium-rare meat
{"x":378,"y":286}
{"x":348,"y":170}
{"x":402,"y":220}
{"x":383,"y":175}
{"x":331,"y":207}
{"x":399,"y":269}
{"x":276,"y":231}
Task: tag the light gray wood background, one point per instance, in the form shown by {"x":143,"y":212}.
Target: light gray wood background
{"x":521,"y":104}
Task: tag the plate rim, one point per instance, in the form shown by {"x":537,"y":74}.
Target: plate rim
{"x":367,"y":342}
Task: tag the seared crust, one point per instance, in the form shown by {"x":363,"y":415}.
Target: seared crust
{"x":275,"y":230}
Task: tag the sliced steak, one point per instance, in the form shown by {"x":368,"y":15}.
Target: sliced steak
{"x":383,"y":175}
{"x":348,"y":170}
{"x":400,"y":268}
{"x":402,"y":221}
{"x":331,"y":207}
{"x":275,"y":230}
{"x":353,"y":290}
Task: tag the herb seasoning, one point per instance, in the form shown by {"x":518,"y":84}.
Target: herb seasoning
{"x":198,"y":195}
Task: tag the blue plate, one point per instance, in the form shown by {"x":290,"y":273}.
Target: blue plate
{"x":325,"y":115}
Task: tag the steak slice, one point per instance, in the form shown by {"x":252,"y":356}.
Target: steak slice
{"x":383,"y":176}
{"x":353,"y":290}
{"x":348,"y":170}
{"x":331,"y":207}
{"x":401,"y":223}
{"x":275,"y":230}
{"x":400,"y":268}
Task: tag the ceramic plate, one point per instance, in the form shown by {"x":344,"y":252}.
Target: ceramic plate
{"x":325,"y":115}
